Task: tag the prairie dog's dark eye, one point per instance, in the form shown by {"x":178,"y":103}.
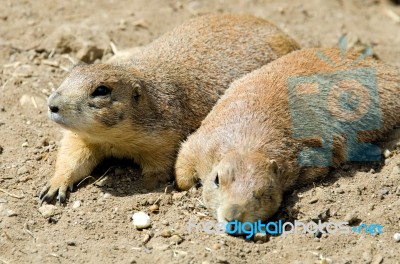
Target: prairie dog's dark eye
{"x":101,"y":91}
{"x":216,"y":181}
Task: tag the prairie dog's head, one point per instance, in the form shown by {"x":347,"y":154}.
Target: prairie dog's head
{"x":243,"y":187}
{"x":98,"y":96}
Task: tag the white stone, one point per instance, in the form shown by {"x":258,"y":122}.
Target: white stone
{"x":387,"y":153}
{"x":141,"y":220}
{"x":396,"y":237}
{"x":76,"y":204}
{"x":48,"y":210}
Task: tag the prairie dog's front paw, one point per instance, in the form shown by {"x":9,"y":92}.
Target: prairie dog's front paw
{"x":58,"y":185}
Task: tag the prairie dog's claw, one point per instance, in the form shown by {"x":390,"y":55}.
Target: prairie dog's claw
{"x":49,"y":192}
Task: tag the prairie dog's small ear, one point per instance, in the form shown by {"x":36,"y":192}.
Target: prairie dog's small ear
{"x":274,"y":166}
{"x":137,"y":91}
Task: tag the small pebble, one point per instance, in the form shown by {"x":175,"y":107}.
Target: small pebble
{"x":25,"y":145}
{"x":372,"y":171}
{"x":260,"y":237}
{"x":71,"y":243}
{"x":76,"y":204}
{"x":351,"y":217}
{"x":318,"y":234}
{"x":141,"y":220}
{"x":217,"y":246}
{"x":146,"y":238}
{"x":166,"y":233}
{"x":44,"y":142}
{"x":339,"y":190}
{"x":11,"y":213}
{"x":176,"y":239}
{"x":22,"y":170}
{"x":154,"y":208}
{"x":222,"y":259}
{"x":107,"y":195}
{"x":48,"y":210}
{"x":387,"y":153}
{"x":178,"y":195}
{"x":396,"y":237}
{"x":384,"y":191}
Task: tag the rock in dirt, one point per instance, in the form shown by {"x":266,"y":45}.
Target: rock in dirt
{"x":141,"y":220}
{"x":351,"y":217}
{"x":48,"y":210}
{"x":260,"y":238}
{"x":76,"y":204}
{"x":11,"y":213}
{"x":222,"y":259}
{"x":71,"y":243}
{"x":176,"y":239}
{"x":387,"y":153}
{"x":22,"y":170}
{"x":396,"y":237}
{"x":166,"y":233}
{"x":154,"y":208}
{"x":384,"y":191}
{"x":146,"y":238}
{"x":178,"y":195}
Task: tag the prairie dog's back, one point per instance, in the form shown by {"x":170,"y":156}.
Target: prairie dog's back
{"x":205,"y":54}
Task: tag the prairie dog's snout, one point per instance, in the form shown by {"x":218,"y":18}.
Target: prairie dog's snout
{"x":55,"y":106}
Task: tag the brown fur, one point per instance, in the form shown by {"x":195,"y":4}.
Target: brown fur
{"x":157,"y":98}
{"x":246,"y":139}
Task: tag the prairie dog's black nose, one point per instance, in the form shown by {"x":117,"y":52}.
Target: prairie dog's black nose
{"x":53,"y":108}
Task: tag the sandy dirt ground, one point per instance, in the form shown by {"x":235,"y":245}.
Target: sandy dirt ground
{"x":40,"y":40}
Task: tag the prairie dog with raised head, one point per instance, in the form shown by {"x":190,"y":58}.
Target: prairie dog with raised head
{"x":143,"y":108}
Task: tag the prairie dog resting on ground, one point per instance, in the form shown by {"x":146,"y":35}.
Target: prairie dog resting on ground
{"x":287,"y":123}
